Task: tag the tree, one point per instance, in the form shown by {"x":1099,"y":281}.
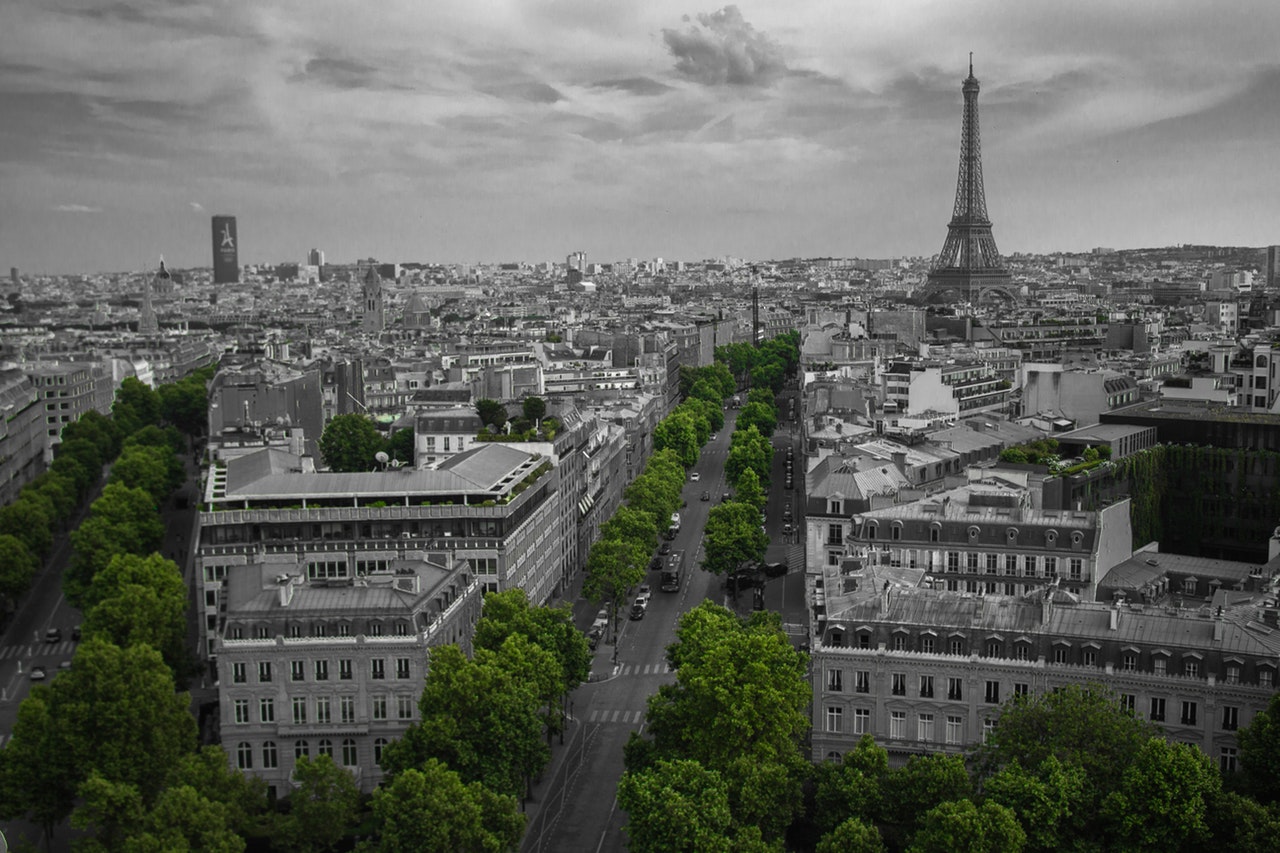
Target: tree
{"x":122,"y":521}
{"x":350,"y":443}
{"x":492,"y":413}
{"x":1241,"y":824}
{"x":135,"y":406}
{"x":648,"y":494}
{"x":959,"y":826}
{"x":738,"y":707}
{"x":924,"y":782}
{"x":676,"y":805}
{"x":1162,"y":798}
{"x":749,"y":491}
{"x":60,"y":490}
{"x":140,"y":600}
{"x":1044,"y":801}
{"x":185,"y":404}
{"x":712,"y":413}
{"x":400,"y":445}
{"x":154,"y":469}
{"x":696,"y":411}
{"x":763,"y":396}
{"x":28,"y":520}
{"x":97,"y":428}
{"x":760,"y":415}
{"x":748,"y":449}
{"x":17,"y":569}
{"x":323,"y":806}
{"x":678,"y":432}
{"x":614,"y":567}
{"x":732,"y":537}
{"x":770,"y":374}
{"x":478,"y":718}
{"x":631,"y":525}
{"x":208,"y":772}
{"x":1260,"y":753}
{"x":432,"y":809}
{"x":38,"y":777}
{"x":707,"y":389}
{"x":534,"y":408}
{"x":74,"y":470}
{"x":852,"y":836}
{"x":850,"y":788}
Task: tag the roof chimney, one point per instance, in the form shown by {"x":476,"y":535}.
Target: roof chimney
{"x":884,"y":598}
{"x":284,"y":586}
{"x":1046,"y":605}
{"x":1115,"y":616}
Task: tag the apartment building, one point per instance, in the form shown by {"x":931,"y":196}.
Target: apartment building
{"x":325,"y":657}
{"x":23,"y":433}
{"x":496,"y":507}
{"x":924,"y":669}
{"x":969,"y":388}
{"x":69,"y":389}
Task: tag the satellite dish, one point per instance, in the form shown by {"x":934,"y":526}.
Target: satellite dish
{"x":382,"y":457}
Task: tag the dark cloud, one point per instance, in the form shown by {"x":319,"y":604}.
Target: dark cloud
{"x":723,"y":49}
{"x":634,"y":85}
{"x":340,"y":73}
{"x":539,"y":93}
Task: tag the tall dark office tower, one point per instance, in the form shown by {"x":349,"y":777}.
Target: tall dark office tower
{"x":969,"y":266}
{"x":226,"y":254}
{"x":1271,"y":280}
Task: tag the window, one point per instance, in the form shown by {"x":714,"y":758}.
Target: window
{"x":1230,"y":718}
{"x":926,"y":686}
{"x":993,"y":563}
{"x":955,"y":646}
{"x":1028,"y":566}
{"x":349,"y":752}
{"x":1129,"y":662}
{"x":1157,"y":710}
{"x":835,"y":534}
{"x":924,"y":728}
{"x":404,"y":707}
{"x":899,"y":642}
{"x":1128,"y":702}
{"x":1159,"y":665}
{"x":1061,"y":654}
{"x":1227,"y":759}
{"x":993,"y":648}
{"x":269,"y":755}
{"x":1011,"y":565}
{"x":1191,"y":668}
{"x":238,"y":675}
{"x":1051,"y":567}
{"x":862,"y":681}
{"x":899,"y":684}
{"x":927,"y":645}
{"x":379,"y":744}
{"x":871,"y":531}
{"x":835,"y":719}
{"x":954,"y":726}
{"x":864,"y":640}
{"x":301,"y":749}
{"x":1021,"y":689}
{"x":344,"y":669}
{"x":953,"y":561}
{"x":244,"y":755}
{"x":895,"y":532}
{"x":297,"y":670}
{"x":402,"y":667}
{"x":837,"y":638}
{"x":988,"y":726}
{"x":324,"y":747}
{"x":835,"y":680}
{"x":971,"y":561}
{"x":324,"y":711}
{"x":1188,"y":713}
{"x":1266,"y":676}
{"x":242,"y":710}
{"x":378,"y":669}
{"x":1089,"y":657}
{"x":267,"y":710}
{"x":1075,"y":568}
{"x":861,"y":721}
{"x":834,"y":506}
{"x":1233,"y":673}
{"x":299,"y":711}
{"x":935,"y":534}
{"x":347,"y":708}
{"x":897,"y":724}
{"x":992,"y":694}
{"x":954,"y":690}
{"x":322,"y":670}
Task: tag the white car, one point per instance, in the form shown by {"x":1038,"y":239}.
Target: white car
{"x":695,"y":477}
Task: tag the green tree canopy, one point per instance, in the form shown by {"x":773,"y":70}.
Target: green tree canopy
{"x":748,"y":449}
{"x":631,"y":525}
{"x":139,"y":599}
{"x":749,"y":491}
{"x":97,"y":428}
{"x":678,"y":432}
{"x":1162,"y":798}
{"x":760,"y":415}
{"x":763,"y":396}
{"x":17,"y":569}
{"x":852,"y":836}
{"x":432,"y":809}
{"x":154,"y":469}
{"x":534,"y":408}
{"x":707,"y":388}
{"x":492,"y":413}
{"x":850,"y":788}
{"x":122,"y":521}
{"x":136,"y":406}
{"x":1260,"y":753}
{"x":550,"y":627}
{"x":400,"y":445}
{"x":614,"y":568}
{"x":959,"y":826}
{"x":732,"y":537}
{"x":324,"y":806}
{"x":924,"y":782}
{"x":185,"y":404}
{"x":350,"y":443}
{"x":1044,"y":801}
{"x":676,"y":805}
{"x":28,"y":519}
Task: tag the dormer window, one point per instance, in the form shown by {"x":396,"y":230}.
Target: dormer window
{"x":835,"y":506}
{"x":1051,"y":538}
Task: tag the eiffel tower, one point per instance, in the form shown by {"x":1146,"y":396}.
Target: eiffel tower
{"x":969,"y":267}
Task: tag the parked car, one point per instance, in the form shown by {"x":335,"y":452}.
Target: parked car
{"x":75,"y":633}
{"x":655,"y":563}
{"x":644,"y":590}
{"x":664,"y":549}
{"x":787,"y":530}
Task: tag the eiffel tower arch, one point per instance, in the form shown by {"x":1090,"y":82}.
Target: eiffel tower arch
{"x":969,"y":267}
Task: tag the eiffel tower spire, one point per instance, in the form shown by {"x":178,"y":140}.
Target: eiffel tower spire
{"x":969,"y":263}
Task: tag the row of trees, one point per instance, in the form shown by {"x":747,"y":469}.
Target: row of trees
{"x":530,"y":424}
{"x":763,"y":366}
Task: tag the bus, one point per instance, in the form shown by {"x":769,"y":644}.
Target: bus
{"x":672,"y":572}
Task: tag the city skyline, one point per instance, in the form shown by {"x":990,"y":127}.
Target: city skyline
{"x":509,"y":131}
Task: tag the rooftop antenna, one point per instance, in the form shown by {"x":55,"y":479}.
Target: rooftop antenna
{"x":971,"y":63}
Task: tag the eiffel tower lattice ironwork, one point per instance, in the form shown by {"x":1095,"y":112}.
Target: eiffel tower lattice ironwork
{"x":969,"y":266}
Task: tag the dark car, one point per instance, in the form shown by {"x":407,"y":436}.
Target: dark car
{"x":655,"y":563}
{"x":724,"y":498}
{"x":53,"y":635}
{"x":774,"y":570}
{"x":664,"y":548}
{"x":706,"y":496}
{"x":75,"y":633}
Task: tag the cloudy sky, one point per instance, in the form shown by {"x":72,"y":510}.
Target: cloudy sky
{"x":489,"y":130}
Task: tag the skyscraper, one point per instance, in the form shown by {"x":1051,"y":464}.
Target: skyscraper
{"x":226,"y":255}
{"x":969,"y":266}
{"x":373,"y":318}
{"x":1270,"y":280}
{"x":315,"y":258}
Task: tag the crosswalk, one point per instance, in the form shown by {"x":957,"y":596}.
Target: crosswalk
{"x":644,"y":669}
{"x":609,"y":715}
{"x":30,"y":650}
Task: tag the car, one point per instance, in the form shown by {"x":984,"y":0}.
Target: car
{"x":637,"y":611}
{"x":724,"y":498}
{"x":786,"y":514}
{"x":664,"y":549}
{"x":75,"y":633}
{"x":38,"y":673}
{"x":655,"y":563}
{"x":786,"y":530}
{"x":53,"y":635}
{"x":66,"y":664}
{"x":713,"y":436}
{"x":695,"y":477}
{"x":706,"y":496}
{"x":644,"y":590}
